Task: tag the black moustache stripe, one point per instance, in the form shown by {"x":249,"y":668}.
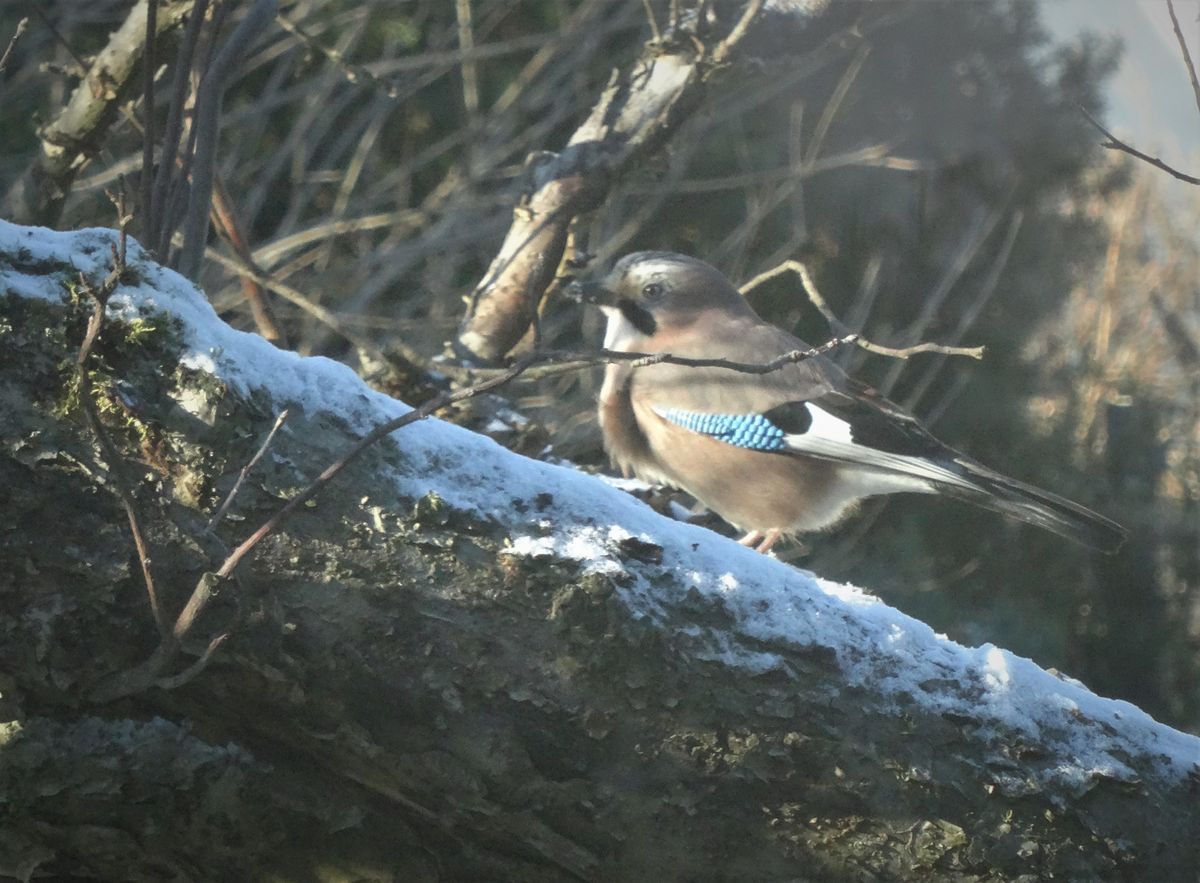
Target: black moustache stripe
{"x":639,"y":317}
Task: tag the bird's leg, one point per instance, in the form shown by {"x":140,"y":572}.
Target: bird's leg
{"x":751,"y":539}
{"x":772,"y":536}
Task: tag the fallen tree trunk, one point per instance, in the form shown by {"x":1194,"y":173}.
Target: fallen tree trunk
{"x":461,"y":664}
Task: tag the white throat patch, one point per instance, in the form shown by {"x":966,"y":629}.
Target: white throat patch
{"x":620,"y":335}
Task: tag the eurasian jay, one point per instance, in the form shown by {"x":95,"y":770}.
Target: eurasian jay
{"x":780,"y":453}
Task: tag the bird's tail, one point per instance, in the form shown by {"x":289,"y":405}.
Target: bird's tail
{"x":991,"y":490}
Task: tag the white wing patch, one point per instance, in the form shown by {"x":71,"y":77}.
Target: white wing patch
{"x":831,"y":438}
{"x":826,"y":426}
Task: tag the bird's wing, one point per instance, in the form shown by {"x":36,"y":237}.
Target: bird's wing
{"x":809,"y":407}
{"x":858,"y":428}
{"x":852,"y":426}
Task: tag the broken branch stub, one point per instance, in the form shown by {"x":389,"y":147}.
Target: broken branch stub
{"x":79,"y":129}
{"x":638,"y":110}
{"x":561,"y":186}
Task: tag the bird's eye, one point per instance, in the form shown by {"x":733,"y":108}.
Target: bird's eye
{"x":652,"y":290}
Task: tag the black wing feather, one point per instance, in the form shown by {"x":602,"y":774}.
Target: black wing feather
{"x":878,"y":424}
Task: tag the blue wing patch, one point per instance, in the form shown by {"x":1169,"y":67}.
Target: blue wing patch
{"x":752,"y":431}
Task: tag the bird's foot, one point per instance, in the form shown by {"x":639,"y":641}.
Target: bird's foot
{"x":751,"y":539}
{"x":771,"y":537}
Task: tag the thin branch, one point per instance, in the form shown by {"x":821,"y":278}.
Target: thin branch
{"x":971,"y":314}
{"x":160,"y":197}
{"x":725,"y":48}
{"x":635,"y":114}
{"x":84,"y":391}
{"x":655,"y":33}
{"x":21,"y":25}
{"x":237,"y":485}
{"x":974,"y":352}
{"x":470,"y":70}
{"x":1187,"y":349}
{"x":973,"y":239}
{"x":1115,"y":143}
{"x":207,"y":125}
{"x":555,"y":363}
{"x":372,"y":75}
{"x":81,"y":66}
{"x":228,"y":224}
{"x":250,"y":272}
{"x":78,"y":130}
{"x":838,"y":328}
{"x":146,"y":179}
{"x":874,"y":156}
{"x":1187,"y":56}
{"x":399,"y":222}
{"x":825,"y":122}
{"x":193,"y":671}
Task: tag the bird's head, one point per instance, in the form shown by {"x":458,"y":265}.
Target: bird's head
{"x":650,"y":292}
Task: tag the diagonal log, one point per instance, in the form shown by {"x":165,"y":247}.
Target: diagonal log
{"x":460,"y":664}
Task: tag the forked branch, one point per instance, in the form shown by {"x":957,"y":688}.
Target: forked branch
{"x":1112,"y":142}
{"x":838,"y":328}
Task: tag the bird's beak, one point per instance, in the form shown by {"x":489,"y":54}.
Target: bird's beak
{"x":589,"y":292}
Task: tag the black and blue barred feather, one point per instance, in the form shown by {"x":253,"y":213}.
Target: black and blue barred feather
{"x":753,"y":431}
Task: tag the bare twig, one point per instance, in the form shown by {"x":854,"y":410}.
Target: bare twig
{"x":874,"y":156}
{"x":655,"y":33}
{"x":972,"y":313}
{"x":149,"y":673}
{"x":372,"y":75}
{"x":724,"y":49}
{"x":1187,"y":348}
{"x":973,"y":239}
{"x":81,"y":66}
{"x":398,"y":222}
{"x":237,"y":485}
{"x":84,"y":390}
{"x":1187,"y":56}
{"x":225,"y":217}
{"x":579,"y":361}
{"x":834,"y":104}
{"x":1115,"y":143}
{"x":352,"y":73}
{"x":207,"y":127}
{"x":250,"y":272}
{"x":21,"y":25}
{"x":470,"y":71}
{"x":974,"y":352}
{"x":160,"y":221}
{"x":192,"y":671}
{"x":146,"y":179}
{"x":836,"y":326}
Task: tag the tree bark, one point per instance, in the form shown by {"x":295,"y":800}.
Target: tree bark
{"x":403,"y":699}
